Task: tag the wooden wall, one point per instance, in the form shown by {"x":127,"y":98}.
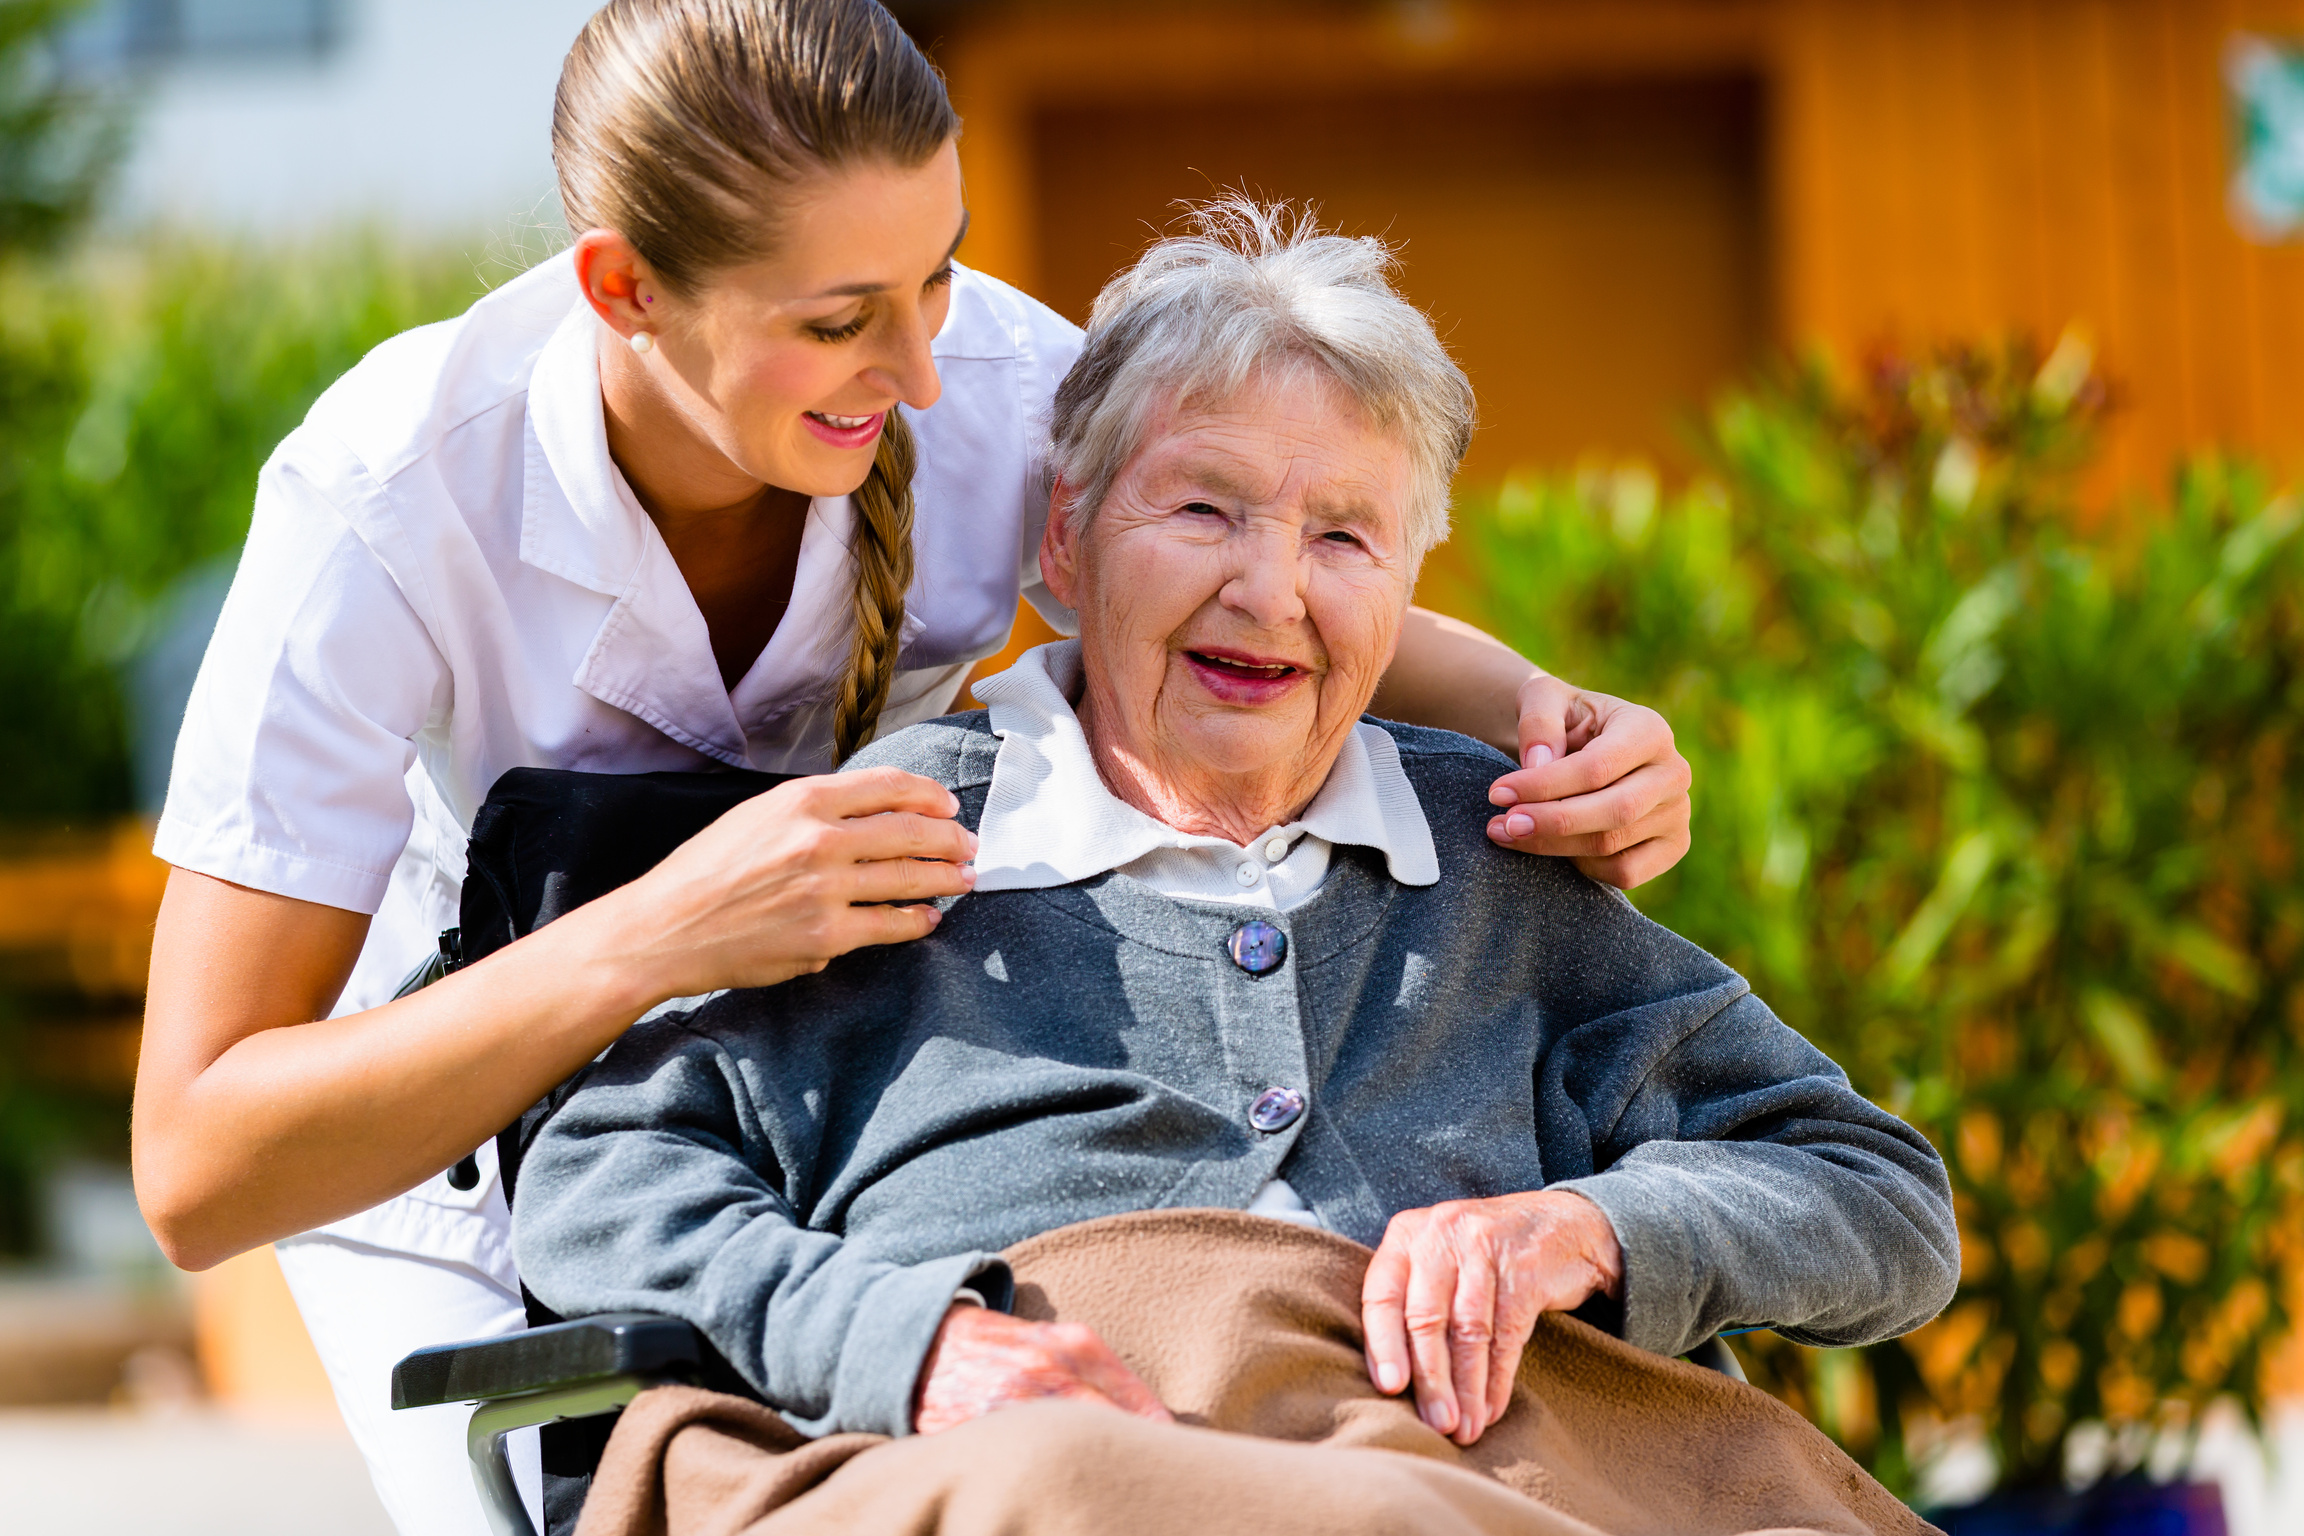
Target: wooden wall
{"x":1592,"y":250}
{"x":1579,"y":189}
{"x":1956,"y":167}
{"x":1930,"y":169}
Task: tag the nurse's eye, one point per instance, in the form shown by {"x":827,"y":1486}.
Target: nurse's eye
{"x":848,"y":332}
{"x":941,"y":278}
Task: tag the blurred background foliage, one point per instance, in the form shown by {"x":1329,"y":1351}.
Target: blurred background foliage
{"x":2000,"y":808}
{"x":140,"y":391}
{"x":142,"y":385}
{"x":58,"y":138}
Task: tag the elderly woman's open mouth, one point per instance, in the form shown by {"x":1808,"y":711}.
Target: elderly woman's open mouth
{"x":1243,"y":677}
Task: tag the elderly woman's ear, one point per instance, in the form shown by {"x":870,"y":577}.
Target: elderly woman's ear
{"x":1060,"y":546}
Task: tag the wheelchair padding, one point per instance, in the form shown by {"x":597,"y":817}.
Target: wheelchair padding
{"x":562,"y":1355}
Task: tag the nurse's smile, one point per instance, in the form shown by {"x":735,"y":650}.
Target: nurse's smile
{"x":845,"y":431}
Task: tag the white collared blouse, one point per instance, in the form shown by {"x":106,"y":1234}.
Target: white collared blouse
{"x":1049,"y":819}
{"x":446,"y":577}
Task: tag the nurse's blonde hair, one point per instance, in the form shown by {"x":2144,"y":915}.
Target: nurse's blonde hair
{"x":679,"y":123}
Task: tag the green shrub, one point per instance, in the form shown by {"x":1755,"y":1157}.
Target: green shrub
{"x":140,"y":391}
{"x":2003,"y":814}
{"x":58,"y":140}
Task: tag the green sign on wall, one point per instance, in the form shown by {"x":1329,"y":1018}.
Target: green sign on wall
{"x":2267,"y":84}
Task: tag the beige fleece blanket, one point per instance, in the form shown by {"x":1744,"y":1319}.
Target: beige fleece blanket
{"x":1249,"y":1330}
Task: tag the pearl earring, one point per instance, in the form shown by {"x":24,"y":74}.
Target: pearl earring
{"x":643,"y":343}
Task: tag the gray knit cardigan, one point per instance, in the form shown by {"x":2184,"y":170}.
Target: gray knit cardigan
{"x":807,"y":1172}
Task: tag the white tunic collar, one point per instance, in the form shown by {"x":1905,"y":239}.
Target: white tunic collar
{"x":1049,"y":820}
{"x":653,"y":655}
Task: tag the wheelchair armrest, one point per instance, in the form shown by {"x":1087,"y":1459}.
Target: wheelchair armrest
{"x":549,"y":1359}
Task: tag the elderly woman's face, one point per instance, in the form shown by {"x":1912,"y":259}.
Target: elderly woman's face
{"x":1241,"y":589}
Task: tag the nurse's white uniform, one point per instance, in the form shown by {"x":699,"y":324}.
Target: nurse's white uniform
{"x":446,"y":578}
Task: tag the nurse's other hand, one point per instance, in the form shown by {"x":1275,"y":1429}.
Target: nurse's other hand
{"x":788,"y":881}
{"x":983,"y":1360}
{"x":1600,"y":783}
{"x":1455,"y":1291}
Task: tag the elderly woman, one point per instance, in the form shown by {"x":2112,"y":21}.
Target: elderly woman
{"x":1219,"y":956}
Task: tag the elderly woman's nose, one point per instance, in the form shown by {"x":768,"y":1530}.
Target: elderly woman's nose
{"x":1267,"y":586}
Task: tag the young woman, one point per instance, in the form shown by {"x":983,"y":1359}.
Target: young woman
{"x":653,"y":505}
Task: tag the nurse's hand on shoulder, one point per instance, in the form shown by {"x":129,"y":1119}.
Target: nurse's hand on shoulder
{"x":1600,"y":783}
{"x":790,"y":880}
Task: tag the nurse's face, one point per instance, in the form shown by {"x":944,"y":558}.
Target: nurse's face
{"x":787,"y":366}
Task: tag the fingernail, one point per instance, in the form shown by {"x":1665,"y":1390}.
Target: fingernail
{"x":968,"y":876}
{"x":1440,"y":1416}
{"x":1499,"y":795}
{"x":1390,"y":1378}
{"x":1519,"y":826}
{"x":1539,"y":755}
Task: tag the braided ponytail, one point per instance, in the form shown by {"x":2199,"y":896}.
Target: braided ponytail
{"x":683,"y":124}
{"x":882,"y":550}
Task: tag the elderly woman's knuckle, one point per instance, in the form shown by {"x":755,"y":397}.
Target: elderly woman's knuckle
{"x":1427,"y":1322}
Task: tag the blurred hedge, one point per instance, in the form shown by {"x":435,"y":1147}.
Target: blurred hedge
{"x":2003,"y":814}
{"x":140,"y":390}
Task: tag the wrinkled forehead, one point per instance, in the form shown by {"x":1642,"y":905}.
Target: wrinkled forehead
{"x":1292,"y":441}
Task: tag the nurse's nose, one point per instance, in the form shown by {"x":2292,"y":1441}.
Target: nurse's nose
{"x":906,"y":369}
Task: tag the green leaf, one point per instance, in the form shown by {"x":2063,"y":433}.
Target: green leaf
{"x":2126,"y":1038}
{"x":1964,"y":870}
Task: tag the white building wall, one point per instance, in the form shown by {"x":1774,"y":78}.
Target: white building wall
{"x":431,"y":116}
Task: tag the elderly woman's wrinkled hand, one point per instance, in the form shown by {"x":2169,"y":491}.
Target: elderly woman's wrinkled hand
{"x":1601,"y":783}
{"x":983,"y":1360}
{"x":1455,"y":1291}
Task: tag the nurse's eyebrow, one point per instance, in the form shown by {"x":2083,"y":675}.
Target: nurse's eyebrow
{"x":866,"y":290}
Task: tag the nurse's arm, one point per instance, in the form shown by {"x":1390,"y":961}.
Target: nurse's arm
{"x":1600,"y":783}
{"x":257,"y":1117}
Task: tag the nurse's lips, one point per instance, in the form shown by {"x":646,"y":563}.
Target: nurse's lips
{"x":845,"y":431}
{"x":1240,"y":677}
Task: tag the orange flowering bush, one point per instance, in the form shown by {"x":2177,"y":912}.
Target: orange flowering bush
{"x":2002,"y":811}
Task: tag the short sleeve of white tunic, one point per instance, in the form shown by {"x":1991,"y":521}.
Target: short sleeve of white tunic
{"x":446,"y":577}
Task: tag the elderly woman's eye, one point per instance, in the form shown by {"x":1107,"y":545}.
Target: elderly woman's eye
{"x":1341,"y":536}
{"x":1206,"y":509}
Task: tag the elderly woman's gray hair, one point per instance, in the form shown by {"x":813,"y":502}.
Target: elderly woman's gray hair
{"x":1258,"y":287}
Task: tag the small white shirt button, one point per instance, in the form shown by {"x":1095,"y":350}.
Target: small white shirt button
{"x":1276,"y":850}
{"x":1248,"y":874}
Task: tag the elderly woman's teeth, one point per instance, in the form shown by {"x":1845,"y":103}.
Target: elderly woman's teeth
{"x":1243,"y":668}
